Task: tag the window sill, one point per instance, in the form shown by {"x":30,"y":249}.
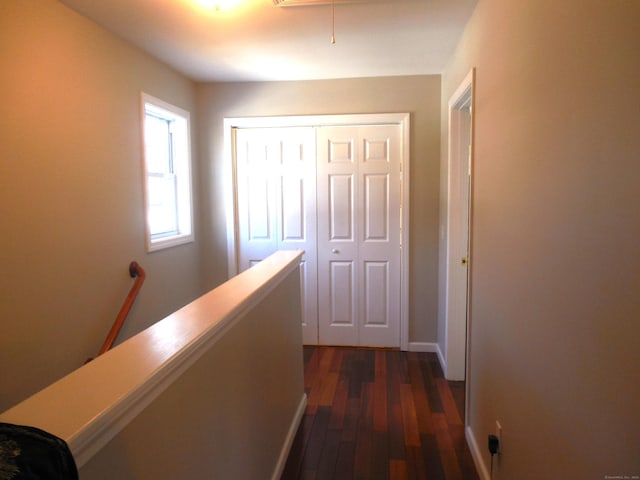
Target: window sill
{"x":168,"y":242}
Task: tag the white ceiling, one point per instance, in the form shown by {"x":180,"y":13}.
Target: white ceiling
{"x":257,"y":40}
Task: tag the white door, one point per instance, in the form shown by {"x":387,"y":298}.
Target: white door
{"x":276,"y":195}
{"x":359,"y":218}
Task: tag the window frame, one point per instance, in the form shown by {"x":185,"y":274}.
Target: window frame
{"x":182,"y":168}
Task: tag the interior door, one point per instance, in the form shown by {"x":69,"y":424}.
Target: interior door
{"x":276,"y":197}
{"x":359,"y":218}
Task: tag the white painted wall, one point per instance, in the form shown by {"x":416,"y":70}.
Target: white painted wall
{"x":555,"y":284}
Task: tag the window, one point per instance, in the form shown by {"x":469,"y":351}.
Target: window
{"x":167,"y":174}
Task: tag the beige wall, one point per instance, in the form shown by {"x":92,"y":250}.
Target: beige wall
{"x":555,"y":272}
{"x":227,"y":416}
{"x":419,"y":95}
{"x":71,"y":193}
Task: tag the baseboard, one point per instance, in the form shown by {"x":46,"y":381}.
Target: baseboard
{"x":443,"y":362}
{"x":483,"y":472}
{"x":423,"y":347}
{"x":430,"y":348}
{"x":291,"y":435}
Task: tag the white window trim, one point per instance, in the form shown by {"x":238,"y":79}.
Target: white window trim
{"x":185,"y":215}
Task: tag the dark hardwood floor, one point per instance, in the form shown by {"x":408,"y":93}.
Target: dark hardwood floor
{"x":379,"y":414}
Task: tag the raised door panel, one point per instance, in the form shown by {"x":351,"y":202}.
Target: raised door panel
{"x":292,"y":210}
{"x":259,"y":210}
{"x":376,"y":294}
{"x":376,"y":207}
{"x":341,"y":298}
{"x":340,"y":208}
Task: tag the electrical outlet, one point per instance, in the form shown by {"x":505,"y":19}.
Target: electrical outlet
{"x":499,"y":435}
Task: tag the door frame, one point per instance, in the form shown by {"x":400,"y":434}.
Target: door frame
{"x":457,"y":316}
{"x":401,"y":119}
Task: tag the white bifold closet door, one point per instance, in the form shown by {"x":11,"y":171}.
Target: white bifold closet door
{"x":358,"y":212}
{"x":276,"y":195}
{"x":334,"y":192}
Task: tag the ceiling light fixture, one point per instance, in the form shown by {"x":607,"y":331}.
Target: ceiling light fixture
{"x":333,"y":22}
{"x":301,"y":3}
{"x":306,"y":3}
{"x":218,"y":5}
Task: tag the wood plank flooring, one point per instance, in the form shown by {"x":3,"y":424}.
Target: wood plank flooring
{"x":379,"y":414}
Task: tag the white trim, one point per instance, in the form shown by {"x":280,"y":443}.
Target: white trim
{"x":404,"y":237}
{"x":456,"y":318}
{"x":402,"y":119}
{"x":481,"y":467}
{"x":185,"y":233}
{"x":291,"y":435}
{"x":230,"y":205}
{"x":464,"y":86}
{"x":443,"y":362}
{"x":316,"y":120}
{"x":428,"y":347}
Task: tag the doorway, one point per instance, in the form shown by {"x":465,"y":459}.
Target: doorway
{"x":458,"y":256}
{"x":362,"y":300}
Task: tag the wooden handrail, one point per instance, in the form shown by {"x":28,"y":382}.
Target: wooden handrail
{"x":137,"y":272}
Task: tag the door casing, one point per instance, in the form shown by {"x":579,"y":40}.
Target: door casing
{"x":459,"y":210}
{"x":401,"y":119}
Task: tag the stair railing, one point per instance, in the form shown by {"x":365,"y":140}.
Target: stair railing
{"x":137,"y":272}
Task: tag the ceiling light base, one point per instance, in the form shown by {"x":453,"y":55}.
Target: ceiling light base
{"x":305,"y":3}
